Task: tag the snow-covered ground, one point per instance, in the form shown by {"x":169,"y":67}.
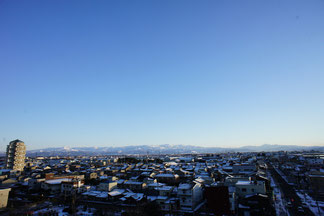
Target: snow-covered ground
{"x":280,"y":207}
{"x":59,"y":210}
{"x":311,"y":203}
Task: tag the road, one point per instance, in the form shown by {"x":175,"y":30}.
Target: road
{"x":289,"y":194}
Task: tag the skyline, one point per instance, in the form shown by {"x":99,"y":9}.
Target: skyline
{"x":111,"y":73}
{"x":163,"y":144}
{"x":176,"y":148}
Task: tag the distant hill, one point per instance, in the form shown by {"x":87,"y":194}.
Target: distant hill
{"x":165,"y":149}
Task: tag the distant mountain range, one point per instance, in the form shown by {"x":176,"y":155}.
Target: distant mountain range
{"x":164,"y":149}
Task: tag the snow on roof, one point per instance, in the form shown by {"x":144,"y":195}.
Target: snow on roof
{"x":165,"y":175}
{"x":227,"y":167}
{"x":162,"y":197}
{"x":156,"y":184}
{"x":317,"y":176}
{"x":138,"y":196}
{"x":145,"y":173}
{"x":133,"y":182}
{"x":184,"y":186}
{"x":251,"y":195}
{"x":120,"y":181}
{"x":128,"y":194}
{"x":151,"y":198}
{"x":164,"y":188}
{"x":240,"y":182}
{"x":134,"y":178}
{"x":116,"y":192}
{"x":102,"y":195}
{"x":58,"y":181}
{"x":186,"y":158}
{"x":200,"y":180}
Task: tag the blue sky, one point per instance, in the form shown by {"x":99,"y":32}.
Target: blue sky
{"x":208,"y":73}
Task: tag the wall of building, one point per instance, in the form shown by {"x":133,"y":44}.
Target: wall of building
{"x":4,"y":193}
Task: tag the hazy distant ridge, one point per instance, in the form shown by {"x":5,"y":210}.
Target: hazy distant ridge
{"x":166,"y":149}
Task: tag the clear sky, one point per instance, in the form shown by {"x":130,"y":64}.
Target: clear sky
{"x":209,"y":73}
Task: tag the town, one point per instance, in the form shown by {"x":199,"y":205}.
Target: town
{"x":161,"y":108}
{"x":233,"y":183}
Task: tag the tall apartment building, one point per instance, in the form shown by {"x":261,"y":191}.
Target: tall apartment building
{"x":15,"y":157}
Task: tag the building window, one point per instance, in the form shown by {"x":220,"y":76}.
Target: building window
{"x":243,"y":189}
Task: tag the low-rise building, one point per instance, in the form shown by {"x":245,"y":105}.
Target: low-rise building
{"x":71,"y":186}
{"x":4,"y":194}
{"x":134,"y":186}
{"x":244,"y":188}
{"x":243,"y":168}
{"x":107,"y":185}
{"x":190,"y":195}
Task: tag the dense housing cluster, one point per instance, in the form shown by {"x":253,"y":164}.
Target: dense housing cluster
{"x":266,"y":183}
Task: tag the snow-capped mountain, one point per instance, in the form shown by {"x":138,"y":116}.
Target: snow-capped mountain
{"x":165,"y":149}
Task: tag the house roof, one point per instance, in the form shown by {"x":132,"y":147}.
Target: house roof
{"x":165,"y":175}
{"x":133,"y":182}
{"x":240,"y":182}
{"x":184,"y":186}
{"x":116,"y":192}
{"x":58,"y":181}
